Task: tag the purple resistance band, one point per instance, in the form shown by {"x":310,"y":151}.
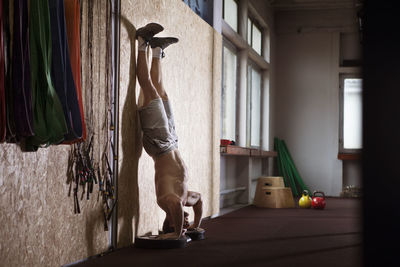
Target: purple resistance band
{"x":23,"y":116}
{"x":61,"y":72}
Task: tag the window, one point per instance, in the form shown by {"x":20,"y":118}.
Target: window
{"x":249,"y":23}
{"x":229,"y":93}
{"x":351,"y":113}
{"x":254,"y":36}
{"x":253,"y":107}
{"x":230,"y":13}
{"x":245,"y":83}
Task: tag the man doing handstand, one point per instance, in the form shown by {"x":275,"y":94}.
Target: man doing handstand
{"x":160,"y":140}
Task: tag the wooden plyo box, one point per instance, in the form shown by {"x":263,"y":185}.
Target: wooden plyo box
{"x":270,"y":181}
{"x":275,"y":197}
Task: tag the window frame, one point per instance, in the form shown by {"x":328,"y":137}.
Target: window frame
{"x":237,"y":15}
{"x":254,"y":67}
{"x":227,"y":44}
{"x":254,"y":23}
{"x":342,"y":77}
{"x":260,"y":63}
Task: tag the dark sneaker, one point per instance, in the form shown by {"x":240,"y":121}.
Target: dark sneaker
{"x":162,"y":42}
{"x":147,"y":32}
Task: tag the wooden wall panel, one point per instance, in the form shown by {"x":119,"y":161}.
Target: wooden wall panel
{"x":39,"y":227}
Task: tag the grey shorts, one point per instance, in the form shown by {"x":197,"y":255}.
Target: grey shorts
{"x":158,"y":127}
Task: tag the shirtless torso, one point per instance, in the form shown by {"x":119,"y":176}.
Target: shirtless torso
{"x":172,"y":193}
{"x":171,"y":176}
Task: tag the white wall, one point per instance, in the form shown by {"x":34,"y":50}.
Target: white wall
{"x":307,"y":95}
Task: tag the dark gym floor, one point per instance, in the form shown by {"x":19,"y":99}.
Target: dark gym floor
{"x":254,"y":236}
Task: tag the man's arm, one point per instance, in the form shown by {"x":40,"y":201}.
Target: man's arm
{"x":194,"y":200}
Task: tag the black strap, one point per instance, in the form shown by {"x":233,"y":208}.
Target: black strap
{"x":11,"y":130}
{"x":2,"y":90}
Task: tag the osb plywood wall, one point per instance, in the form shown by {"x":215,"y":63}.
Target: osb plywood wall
{"x":38,"y":224}
{"x":192,"y":78}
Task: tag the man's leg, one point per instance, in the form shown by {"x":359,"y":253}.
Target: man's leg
{"x":144,"y":35}
{"x":158,"y":45}
{"x":156,"y":77}
{"x":148,"y":89}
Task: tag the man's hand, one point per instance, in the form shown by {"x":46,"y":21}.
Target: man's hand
{"x":185,"y":220}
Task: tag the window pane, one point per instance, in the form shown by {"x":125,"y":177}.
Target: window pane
{"x":229,"y":96}
{"x":231,"y":13}
{"x":255,"y":108}
{"x":256,"y":42}
{"x":248,"y":106}
{"x":266,"y":45}
{"x":265,"y":111}
{"x":249,"y":31}
{"x":352,"y":114}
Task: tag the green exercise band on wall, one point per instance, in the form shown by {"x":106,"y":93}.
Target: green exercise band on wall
{"x":48,"y":116}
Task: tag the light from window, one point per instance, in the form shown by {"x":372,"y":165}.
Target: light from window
{"x":352,"y":114}
{"x":254,"y":107}
{"x":256,"y":42}
{"x":249,"y":23}
{"x":266,"y":44}
{"x":229,"y":95}
{"x":231,"y":13}
{"x":254,"y":36}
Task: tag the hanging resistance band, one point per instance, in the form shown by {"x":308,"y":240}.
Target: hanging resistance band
{"x":2,"y":89}
{"x":61,"y":72}
{"x":11,"y":131}
{"x":72,"y":13}
{"x":288,"y":170}
{"x":48,"y":115}
{"x":21,"y":71}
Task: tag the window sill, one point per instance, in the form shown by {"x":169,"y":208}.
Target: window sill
{"x":245,"y":151}
{"x":349,"y":156}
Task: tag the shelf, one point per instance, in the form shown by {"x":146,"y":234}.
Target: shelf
{"x":244,"y":151}
{"x":263,"y":153}
{"x":234,"y":151}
